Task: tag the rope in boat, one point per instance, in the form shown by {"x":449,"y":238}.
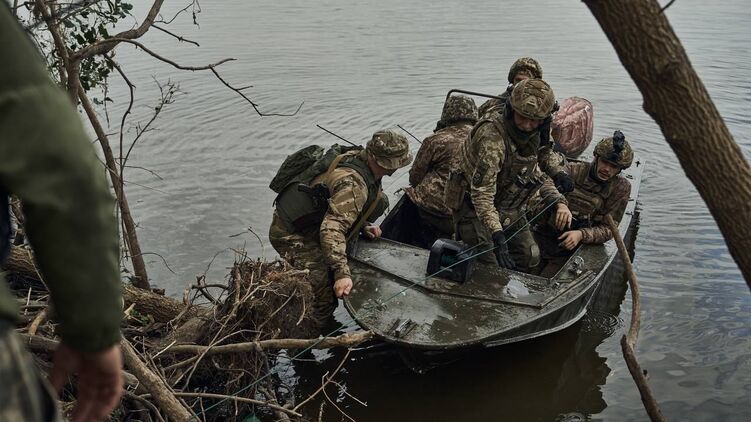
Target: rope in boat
{"x":383,"y":303}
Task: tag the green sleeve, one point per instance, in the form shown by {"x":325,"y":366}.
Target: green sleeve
{"x":47,"y":160}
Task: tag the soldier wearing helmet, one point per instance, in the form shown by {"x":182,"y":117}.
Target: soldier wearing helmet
{"x":501,"y":166}
{"x":319,"y":212}
{"x":598,"y":190}
{"x":438,"y":154}
{"x":523,"y":68}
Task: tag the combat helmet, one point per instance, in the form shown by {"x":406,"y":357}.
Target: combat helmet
{"x":527,"y":65}
{"x":616,"y":150}
{"x":458,"y":108}
{"x":389,"y":149}
{"x":533,"y":99}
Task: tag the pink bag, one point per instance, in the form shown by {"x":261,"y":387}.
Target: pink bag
{"x":573,"y":125}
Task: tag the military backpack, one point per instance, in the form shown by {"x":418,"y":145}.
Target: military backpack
{"x":301,"y":206}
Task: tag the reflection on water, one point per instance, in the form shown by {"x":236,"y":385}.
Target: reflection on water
{"x":360,"y":66}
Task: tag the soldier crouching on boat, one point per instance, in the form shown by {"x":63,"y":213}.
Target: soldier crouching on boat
{"x":318,"y":212}
{"x":523,"y":68}
{"x":438,"y":154}
{"x":579,"y":216}
{"x":502,"y":165}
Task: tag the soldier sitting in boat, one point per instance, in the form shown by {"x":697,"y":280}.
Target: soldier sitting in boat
{"x":579,"y":215}
{"x":438,"y":154}
{"x":321,"y":208}
{"x":502,"y":165}
{"x":523,"y":68}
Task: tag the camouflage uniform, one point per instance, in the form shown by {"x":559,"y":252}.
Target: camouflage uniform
{"x":438,"y":154}
{"x":501,"y":169}
{"x":322,"y":249}
{"x":25,"y":395}
{"x":526,"y":65}
{"x":589,"y":202}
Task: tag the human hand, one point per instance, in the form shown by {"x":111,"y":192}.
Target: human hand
{"x":100,"y":380}
{"x":563,"y":182}
{"x":372,"y":231}
{"x":501,"y":251}
{"x":563,"y":217}
{"x":342,"y":287}
{"x":570,"y":239}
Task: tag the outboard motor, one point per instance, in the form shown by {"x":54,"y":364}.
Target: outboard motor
{"x":448,"y":259}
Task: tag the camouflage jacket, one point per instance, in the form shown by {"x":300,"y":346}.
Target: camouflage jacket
{"x":494,"y":105}
{"x":482,"y":158}
{"x":591,"y":200}
{"x":349,"y":193}
{"x":438,"y":154}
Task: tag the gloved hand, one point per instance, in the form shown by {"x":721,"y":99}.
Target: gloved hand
{"x":501,"y":251}
{"x":563,"y":182}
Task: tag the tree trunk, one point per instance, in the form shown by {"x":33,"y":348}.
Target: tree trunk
{"x":677,"y":100}
{"x":141,"y":279}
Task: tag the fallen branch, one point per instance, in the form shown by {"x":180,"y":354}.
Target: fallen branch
{"x":344,"y":340}
{"x":161,"y":392}
{"x":628,"y":342}
{"x":235,"y":398}
{"x":39,"y":319}
{"x":328,"y":379}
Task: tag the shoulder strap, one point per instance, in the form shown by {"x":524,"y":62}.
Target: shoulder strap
{"x":334,"y":163}
{"x":356,"y":228}
{"x":509,"y":149}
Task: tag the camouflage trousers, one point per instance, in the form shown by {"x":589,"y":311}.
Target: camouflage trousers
{"x":521,"y":244}
{"x":433,"y":227}
{"x":24,"y":394}
{"x":303,"y":251}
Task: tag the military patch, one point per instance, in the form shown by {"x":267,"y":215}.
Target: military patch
{"x":479,"y":175}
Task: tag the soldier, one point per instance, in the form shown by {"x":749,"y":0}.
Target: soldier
{"x":598,"y":190}
{"x":314,"y":234}
{"x":47,"y":161}
{"x":523,"y":68}
{"x":438,"y":154}
{"x":501,"y":167}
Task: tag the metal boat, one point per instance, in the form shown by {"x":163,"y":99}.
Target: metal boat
{"x":395,"y":298}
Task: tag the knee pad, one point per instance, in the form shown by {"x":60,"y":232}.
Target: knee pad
{"x":534,"y":256}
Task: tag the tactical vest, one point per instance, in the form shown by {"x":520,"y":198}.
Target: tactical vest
{"x":588,"y":196}
{"x":519,"y":177}
{"x":301,"y":207}
{"x":4,"y":224}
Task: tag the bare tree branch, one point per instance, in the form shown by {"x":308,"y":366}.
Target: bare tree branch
{"x":255,"y":106}
{"x":179,"y":38}
{"x":629,"y":342}
{"x":62,"y":52}
{"x":185,"y":9}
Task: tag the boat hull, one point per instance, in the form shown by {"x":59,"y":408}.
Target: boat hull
{"x":393,"y":297}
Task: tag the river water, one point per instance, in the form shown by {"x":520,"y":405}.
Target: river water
{"x":360,"y":66}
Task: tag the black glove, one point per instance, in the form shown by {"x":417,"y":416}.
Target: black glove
{"x":501,"y":251}
{"x":563,"y":182}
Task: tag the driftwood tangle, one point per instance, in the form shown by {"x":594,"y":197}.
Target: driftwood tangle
{"x":221,"y":371}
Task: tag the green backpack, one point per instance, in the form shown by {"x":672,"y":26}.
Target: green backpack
{"x":294,"y":164}
{"x":304,"y":164}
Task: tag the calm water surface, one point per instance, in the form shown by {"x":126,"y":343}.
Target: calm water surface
{"x":361,"y":66}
